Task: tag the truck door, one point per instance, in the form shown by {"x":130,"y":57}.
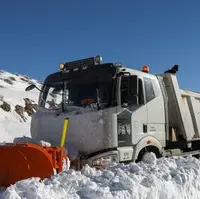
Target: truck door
{"x":132,"y":119}
{"x":139,"y":116}
{"x":155,"y":109}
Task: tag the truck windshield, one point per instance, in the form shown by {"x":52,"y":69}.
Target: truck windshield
{"x":92,"y":87}
{"x":85,"y":94}
{"x":71,"y":95}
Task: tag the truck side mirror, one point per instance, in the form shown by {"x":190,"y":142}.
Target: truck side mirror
{"x":133,"y":85}
{"x":30,"y":87}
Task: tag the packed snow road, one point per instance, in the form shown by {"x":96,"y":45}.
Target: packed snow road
{"x":172,"y":178}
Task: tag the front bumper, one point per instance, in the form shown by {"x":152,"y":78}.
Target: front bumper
{"x":100,"y":161}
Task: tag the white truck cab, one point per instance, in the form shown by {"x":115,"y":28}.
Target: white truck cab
{"x":116,"y":113}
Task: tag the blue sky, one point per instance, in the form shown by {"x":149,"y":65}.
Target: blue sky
{"x":35,"y":36}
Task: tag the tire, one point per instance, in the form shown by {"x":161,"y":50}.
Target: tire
{"x":146,"y":150}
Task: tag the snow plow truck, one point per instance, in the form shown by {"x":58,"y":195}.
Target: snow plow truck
{"x":116,"y":113}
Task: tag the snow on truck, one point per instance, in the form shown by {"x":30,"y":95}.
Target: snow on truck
{"x":116,"y":114}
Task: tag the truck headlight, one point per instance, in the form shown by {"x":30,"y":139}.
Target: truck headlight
{"x":104,"y":161}
{"x":62,"y":66}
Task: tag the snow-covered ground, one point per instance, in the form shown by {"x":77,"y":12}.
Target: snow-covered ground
{"x":165,"y":178}
{"x":174,"y":178}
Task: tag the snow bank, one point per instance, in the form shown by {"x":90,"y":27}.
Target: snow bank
{"x":25,"y":139}
{"x":172,"y":178}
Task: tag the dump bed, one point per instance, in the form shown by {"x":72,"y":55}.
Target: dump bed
{"x":183,"y":109}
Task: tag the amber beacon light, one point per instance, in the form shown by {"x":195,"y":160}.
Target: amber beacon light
{"x":145,"y":69}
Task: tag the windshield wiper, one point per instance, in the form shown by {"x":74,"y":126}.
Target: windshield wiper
{"x":97,"y":94}
{"x":98,"y":99}
{"x":64,"y":96}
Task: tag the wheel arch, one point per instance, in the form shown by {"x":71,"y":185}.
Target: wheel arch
{"x":148,"y":143}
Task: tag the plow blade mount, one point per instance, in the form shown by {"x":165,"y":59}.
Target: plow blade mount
{"x":22,"y":161}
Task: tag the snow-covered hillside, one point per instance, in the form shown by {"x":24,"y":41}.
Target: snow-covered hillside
{"x":12,"y":92}
{"x":172,"y":178}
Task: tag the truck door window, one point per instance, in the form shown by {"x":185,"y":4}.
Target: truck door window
{"x":125,"y":97}
{"x":124,"y":90}
{"x":141,"y":92}
{"x":150,"y":94}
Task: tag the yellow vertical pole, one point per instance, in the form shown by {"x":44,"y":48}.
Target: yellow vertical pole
{"x":64,"y":132}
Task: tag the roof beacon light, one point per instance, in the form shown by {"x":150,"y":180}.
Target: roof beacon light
{"x":62,"y":66}
{"x":145,"y":69}
{"x":98,"y":59}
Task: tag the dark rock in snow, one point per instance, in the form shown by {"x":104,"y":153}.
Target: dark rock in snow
{"x":30,"y":108}
{"x":8,"y":81}
{"x":6,"y":107}
{"x":24,"y":79}
{"x":20,"y":111}
{"x":12,"y":78}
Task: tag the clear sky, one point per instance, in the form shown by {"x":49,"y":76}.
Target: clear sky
{"x":35,"y":36}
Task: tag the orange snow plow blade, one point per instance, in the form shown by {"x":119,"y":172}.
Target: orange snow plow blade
{"x":22,"y":161}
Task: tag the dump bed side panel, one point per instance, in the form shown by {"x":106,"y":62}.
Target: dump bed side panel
{"x":194,"y":106}
{"x":179,"y":109}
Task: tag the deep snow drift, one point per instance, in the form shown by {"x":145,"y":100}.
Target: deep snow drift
{"x":165,"y":178}
{"x":173,"y":178}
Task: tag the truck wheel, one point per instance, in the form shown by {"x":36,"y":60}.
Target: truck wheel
{"x":146,"y":150}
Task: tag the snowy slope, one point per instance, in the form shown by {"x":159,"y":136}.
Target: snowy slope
{"x":11,"y":124}
{"x":172,"y":178}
